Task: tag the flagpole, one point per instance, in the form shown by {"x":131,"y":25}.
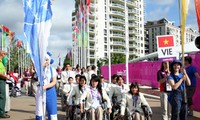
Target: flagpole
{"x":84,"y":47}
{"x":127,"y":42}
{"x":108,"y":40}
{"x":2,"y":37}
{"x":88,"y":52}
{"x":81,"y":56}
{"x":183,"y":22}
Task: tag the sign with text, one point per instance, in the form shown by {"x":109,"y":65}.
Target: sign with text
{"x":165,"y":45}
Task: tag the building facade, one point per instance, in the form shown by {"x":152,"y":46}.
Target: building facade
{"x":165,"y":27}
{"x":114,"y":27}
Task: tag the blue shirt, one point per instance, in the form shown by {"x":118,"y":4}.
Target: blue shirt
{"x":190,"y":72}
{"x":177,"y":78}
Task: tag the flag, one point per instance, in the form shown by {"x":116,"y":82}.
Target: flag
{"x":19,"y":43}
{"x":37,"y":24}
{"x":88,"y":5}
{"x":165,"y":41}
{"x":88,"y":2}
{"x":5,"y":29}
{"x":197,"y":5}
{"x":11,"y":35}
{"x":86,"y":39}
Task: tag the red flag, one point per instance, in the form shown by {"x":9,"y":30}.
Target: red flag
{"x":165,"y":41}
{"x":88,"y":2}
{"x":19,"y":43}
{"x":5,"y":29}
{"x":197,"y":5}
{"x":82,"y":8}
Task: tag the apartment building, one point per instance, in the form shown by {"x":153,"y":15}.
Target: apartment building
{"x":165,"y":27}
{"x":114,"y":27}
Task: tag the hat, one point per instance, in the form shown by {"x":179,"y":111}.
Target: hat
{"x":175,"y":62}
{"x":48,"y":56}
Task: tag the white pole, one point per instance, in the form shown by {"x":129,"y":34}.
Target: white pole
{"x":108,"y":40}
{"x":88,"y":36}
{"x":127,"y":41}
{"x":2,"y":37}
{"x":84,"y":45}
{"x":9,"y":58}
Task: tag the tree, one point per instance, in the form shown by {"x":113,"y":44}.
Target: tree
{"x":66,"y":60}
{"x":118,"y":58}
{"x":101,"y":62}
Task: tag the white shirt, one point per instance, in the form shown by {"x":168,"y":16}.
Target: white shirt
{"x":66,"y":74}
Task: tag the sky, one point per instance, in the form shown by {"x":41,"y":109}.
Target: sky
{"x":60,"y":40}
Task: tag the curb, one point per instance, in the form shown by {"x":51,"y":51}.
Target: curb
{"x":151,"y":96}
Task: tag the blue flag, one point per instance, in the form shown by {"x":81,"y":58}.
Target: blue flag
{"x":37,"y":25}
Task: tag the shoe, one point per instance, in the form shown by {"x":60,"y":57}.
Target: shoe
{"x":5,"y":116}
{"x":190,"y":113}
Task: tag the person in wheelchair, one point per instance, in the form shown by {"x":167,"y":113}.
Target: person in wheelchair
{"x":65,"y":92}
{"x":95,"y":98}
{"x":116,"y":94}
{"x":133,"y":103}
{"x":73,"y":99}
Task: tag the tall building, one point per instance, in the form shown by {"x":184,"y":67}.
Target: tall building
{"x":165,"y":27}
{"x":113,"y":25}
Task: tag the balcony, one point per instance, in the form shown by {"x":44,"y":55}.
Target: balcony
{"x":133,"y":25}
{"x":117,"y":35}
{"x":91,"y":31}
{"x":131,"y":4}
{"x":92,"y":48}
{"x":117,"y":21}
{"x":133,"y":32}
{"x":117,"y":13}
{"x":133,"y":11}
{"x":133,"y":39}
{"x":117,"y":6}
{"x":92,"y":39}
{"x":132,"y":18}
{"x":117,"y":28}
{"x":92,"y":56}
{"x":117,"y":50}
{"x":118,"y":43}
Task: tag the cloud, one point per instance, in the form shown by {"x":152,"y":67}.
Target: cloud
{"x":158,"y":13}
{"x":12,"y":16}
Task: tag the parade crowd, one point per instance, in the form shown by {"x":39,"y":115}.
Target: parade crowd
{"x":85,"y":95}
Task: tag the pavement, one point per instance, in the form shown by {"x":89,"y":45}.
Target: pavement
{"x":23,"y":107}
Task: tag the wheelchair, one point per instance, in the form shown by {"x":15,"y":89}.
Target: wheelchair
{"x":75,"y":113}
{"x":147,"y":114}
{"x":115,"y":109}
{"x":106,"y":115}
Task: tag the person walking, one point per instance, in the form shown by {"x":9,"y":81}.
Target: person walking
{"x":192,"y":74}
{"x":177,"y":96}
{"x":48,"y":94}
{"x":3,"y":79}
{"x":165,"y":88}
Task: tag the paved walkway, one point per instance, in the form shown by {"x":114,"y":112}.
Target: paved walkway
{"x":23,"y":108}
